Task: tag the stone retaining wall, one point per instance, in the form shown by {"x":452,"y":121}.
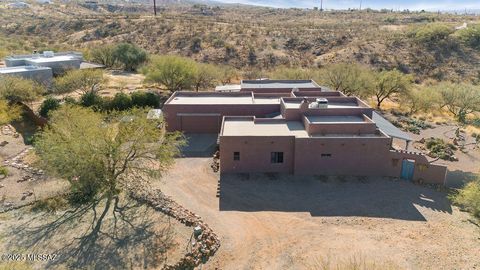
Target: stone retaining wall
{"x":206,"y":242}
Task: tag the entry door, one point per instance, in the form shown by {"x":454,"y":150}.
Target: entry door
{"x":407,"y":169}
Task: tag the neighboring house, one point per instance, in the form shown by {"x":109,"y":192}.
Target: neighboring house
{"x":18,"y":5}
{"x":42,"y":75}
{"x":58,"y":62}
{"x":297,"y":127}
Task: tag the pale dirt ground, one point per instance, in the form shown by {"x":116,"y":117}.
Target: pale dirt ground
{"x":122,"y":247}
{"x":277,"y":222}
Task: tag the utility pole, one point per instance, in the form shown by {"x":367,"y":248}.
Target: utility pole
{"x":360,"y":5}
{"x":321,"y":5}
{"x":155,"y":7}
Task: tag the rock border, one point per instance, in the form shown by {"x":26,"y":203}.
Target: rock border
{"x":205,"y":242}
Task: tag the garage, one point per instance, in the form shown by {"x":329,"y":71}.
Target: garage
{"x":200,"y":122}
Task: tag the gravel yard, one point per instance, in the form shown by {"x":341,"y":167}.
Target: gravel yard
{"x":281,"y":222}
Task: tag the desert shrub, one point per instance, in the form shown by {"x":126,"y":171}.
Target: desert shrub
{"x":92,"y":99}
{"x":145,"y":99}
{"x":438,"y":148}
{"x":470,"y":36}
{"x":17,"y":89}
{"x":3,"y":171}
{"x":104,"y":54}
{"x":50,"y":205}
{"x":469,"y":197}
{"x":49,"y":104}
{"x":120,"y":102}
{"x":431,"y":33}
{"x":130,"y":56}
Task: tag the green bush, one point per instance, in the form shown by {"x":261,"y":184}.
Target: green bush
{"x":121,"y":102}
{"x":470,"y":36}
{"x":145,"y":99}
{"x":92,"y":99}
{"x":431,"y":33}
{"x":50,"y":205}
{"x":469,"y":197}
{"x":104,"y":54}
{"x":49,"y":104}
{"x":3,"y":171}
{"x":440,"y":149}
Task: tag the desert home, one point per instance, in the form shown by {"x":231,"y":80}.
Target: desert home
{"x":298,"y":127}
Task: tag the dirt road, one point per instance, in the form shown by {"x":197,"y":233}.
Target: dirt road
{"x":278,"y":222}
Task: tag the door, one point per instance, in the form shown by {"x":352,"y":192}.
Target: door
{"x":408,"y":167}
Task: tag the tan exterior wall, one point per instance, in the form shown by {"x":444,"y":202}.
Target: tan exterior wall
{"x":203,"y":123}
{"x":255,"y":154}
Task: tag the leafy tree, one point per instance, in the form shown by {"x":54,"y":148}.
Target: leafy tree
{"x":205,"y":76}
{"x":421,"y":99}
{"x":351,"y":79}
{"x":121,"y":102}
{"x":84,"y":80}
{"x":103,"y":157}
{"x":130,"y":56}
{"x":105,"y":55}
{"x":469,"y":197}
{"x":9,"y":113}
{"x":17,"y":89}
{"x":48,"y":105}
{"x":460,"y":99}
{"x":388,"y":83}
{"x":174,"y":72}
{"x":228,"y":74}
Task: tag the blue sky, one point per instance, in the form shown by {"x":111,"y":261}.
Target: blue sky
{"x":375,"y":4}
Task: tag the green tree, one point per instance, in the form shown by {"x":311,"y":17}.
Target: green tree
{"x":131,"y":56}
{"x":48,"y":105}
{"x":84,"y":80}
{"x":460,"y":99}
{"x":432,"y":33}
{"x":102,"y":157}
{"x":174,"y":72}
{"x":388,"y":83}
{"x":17,"y":89}
{"x":104,"y":54}
{"x":205,"y":76}
{"x":228,"y":74}
{"x":93,"y":100}
{"x":351,"y":79}
{"x":421,"y":99}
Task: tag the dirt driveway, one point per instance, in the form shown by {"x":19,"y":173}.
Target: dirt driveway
{"x":278,"y":222}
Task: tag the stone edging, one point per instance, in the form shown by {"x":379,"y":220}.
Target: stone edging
{"x":206,"y":242}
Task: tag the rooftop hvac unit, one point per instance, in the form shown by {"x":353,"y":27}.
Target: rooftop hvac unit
{"x":48,"y":54}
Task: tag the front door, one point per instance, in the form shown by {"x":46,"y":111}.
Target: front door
{"x":407,"y":169}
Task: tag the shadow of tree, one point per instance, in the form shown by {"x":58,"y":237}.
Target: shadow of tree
{"x":117,"y":237}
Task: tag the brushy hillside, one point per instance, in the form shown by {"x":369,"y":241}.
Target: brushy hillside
{"x":424,"y":44}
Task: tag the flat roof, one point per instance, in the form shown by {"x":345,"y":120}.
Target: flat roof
{"x":262,"y":84}
{"x":248,"y":127}
{"x":59,"y":58}
{"x":266,"y":100}
{"x":228,"y":87}
{"x":336,"y":119}
{"x":7,"y":70}
{"x":211,"y":99}
{"x":296,"y":104}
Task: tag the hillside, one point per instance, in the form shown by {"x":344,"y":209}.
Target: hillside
{"x":251,"y":37}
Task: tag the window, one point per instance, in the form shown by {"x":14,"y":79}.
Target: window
{"x":236,"y":155}
{"x":277,"y":157}
{"x":326,"y":155}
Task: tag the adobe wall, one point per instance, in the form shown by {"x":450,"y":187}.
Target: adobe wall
{"x":206,"y":124}
{"x":349,"y":156}
{"x":255,"y":154}
{"x":423,"y":170}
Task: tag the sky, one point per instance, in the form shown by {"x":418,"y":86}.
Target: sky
{"x":431,"y":5}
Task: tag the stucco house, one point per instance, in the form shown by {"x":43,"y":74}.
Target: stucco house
{"x":298,"y":127}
